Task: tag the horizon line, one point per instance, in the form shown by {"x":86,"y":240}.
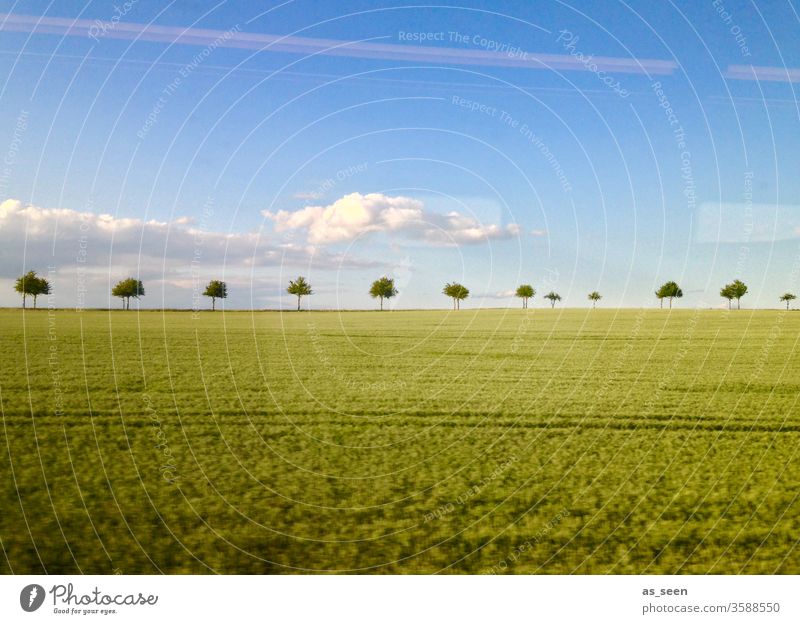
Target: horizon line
{"x":293,"y":310}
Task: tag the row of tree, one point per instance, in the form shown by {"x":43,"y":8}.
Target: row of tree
{"x":133,"y":288}
{"x":735,"y":290}
{"x":383,"y":288}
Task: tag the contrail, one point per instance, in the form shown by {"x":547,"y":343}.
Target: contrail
{"x":755,"y":72}
{"x":11,"y":22}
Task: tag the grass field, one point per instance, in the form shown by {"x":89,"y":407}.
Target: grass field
{"x":508,"y":441}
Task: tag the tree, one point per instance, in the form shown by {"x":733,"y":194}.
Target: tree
{"x":726,"y":292}
{"x":127,"y":289}
{"x":33,"y":285}
{"x":738,"y":289}
{"x":525,"y":292}
{"x":382,"y":288}
{"x":788,"y":297}
{"x":216,"y":290}
{"x":25,"y":285}
{"x":594,"y":297}
{"x":300,"y":288}
{"x":669,"y":290}
{"x":456,"y":292}
{"x":553,"y":297}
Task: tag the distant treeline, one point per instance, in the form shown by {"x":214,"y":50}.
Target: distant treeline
{"x":382,"y":288}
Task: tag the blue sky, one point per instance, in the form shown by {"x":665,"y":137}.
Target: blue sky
{"x":583,"y":146}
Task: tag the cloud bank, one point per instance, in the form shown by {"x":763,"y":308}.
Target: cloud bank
{"x":356,"y":215}
{"x":89,"y":250}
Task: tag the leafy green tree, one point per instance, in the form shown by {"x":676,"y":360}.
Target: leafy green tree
{"x":25,"y":286}
{"x":33,"y":285}
{"x":726,"y":292}
{"x":669,"y":290}
{"x":382,"y":288}
{"x":299,"y":288}
{"x":216,"y":290}
{"x":128,"y":289}
{"x":456,"y":292}
{"x":553,"y":297}
{"x":737,"y":289}
{"x":788,"y":298}
{"x":594,"y":297}
{"x":525,"y":292}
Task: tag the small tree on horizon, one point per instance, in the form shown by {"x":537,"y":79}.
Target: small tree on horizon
{"x":456,"y":292}
{"x":525,"y":292}
{"x":128,"y":289}
{"x":669,"y":290}
{"x":726,"y":292}
{"x":216,"y":289}
{"x":25,"y":286}
{"x":594,"y":297}
{"x":788,"y":298}
{"x":738,"y":289}
{"x":383,"y":288}
{"x":553,"y":297}
{"x":300,"y":288}
{"x":33,"y":285}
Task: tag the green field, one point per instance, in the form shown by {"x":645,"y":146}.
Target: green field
{"x":509,"y":441}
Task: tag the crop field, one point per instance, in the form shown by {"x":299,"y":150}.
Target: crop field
{"x":492,"y":441}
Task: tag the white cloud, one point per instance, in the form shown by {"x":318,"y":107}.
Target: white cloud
{"x":59,"y":235}
{"x":503,"y":294}
{"x":355,"y":215}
